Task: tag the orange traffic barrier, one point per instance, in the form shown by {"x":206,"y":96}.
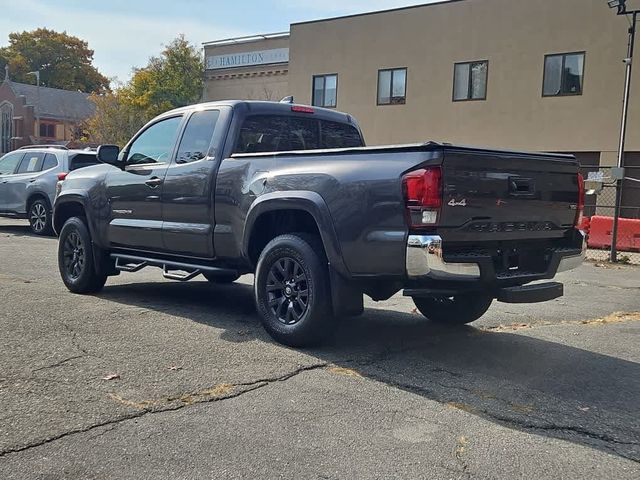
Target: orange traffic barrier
{"x":601,"y":232}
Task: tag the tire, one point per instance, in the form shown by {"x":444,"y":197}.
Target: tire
{"x":213,"y":278}
{"x":76,"y":260}
{"x":39,"y":216}
{"x":292,"y":291}
{"x":457,"y":310}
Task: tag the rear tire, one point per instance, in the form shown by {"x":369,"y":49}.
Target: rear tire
{"x":76,"y":259}
{"x":292,"y":291}
{"x":39,"y":216}
{"x":213,"y":278}
{"x":457,"y":310}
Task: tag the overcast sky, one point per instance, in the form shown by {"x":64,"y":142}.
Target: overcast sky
{"x":125,"y":33}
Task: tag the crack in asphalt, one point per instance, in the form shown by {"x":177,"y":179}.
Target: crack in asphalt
{"x":459,"y":455}
{"x":59,"y":363}
{"x":250,"y":387}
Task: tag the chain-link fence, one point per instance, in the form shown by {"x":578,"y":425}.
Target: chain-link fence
{"x":600,"y":210}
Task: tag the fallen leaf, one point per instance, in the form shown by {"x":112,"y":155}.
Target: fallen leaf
{"x":111,"y":376}
{"x":348,"y":372}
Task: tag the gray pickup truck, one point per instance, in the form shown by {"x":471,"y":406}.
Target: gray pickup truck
{"x":290,"y":193}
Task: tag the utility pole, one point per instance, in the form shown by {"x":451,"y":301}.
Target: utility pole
{"x":622,"y":10}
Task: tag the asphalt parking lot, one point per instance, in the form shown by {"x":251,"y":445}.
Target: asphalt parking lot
{"x":158,"y":379}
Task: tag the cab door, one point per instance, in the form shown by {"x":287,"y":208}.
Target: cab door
{"x":135,"y":192}
{"x":188,"y":195}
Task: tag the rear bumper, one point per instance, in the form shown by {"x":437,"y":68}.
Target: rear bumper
{"x":425,"y":260}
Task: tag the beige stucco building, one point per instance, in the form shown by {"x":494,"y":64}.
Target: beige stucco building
{"x":537,"y":75}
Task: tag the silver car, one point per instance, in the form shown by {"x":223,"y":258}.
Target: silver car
{"x":28,"y":178}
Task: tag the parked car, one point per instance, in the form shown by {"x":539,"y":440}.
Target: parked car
{"x":290,"y":193}
{"x":28,"y":178}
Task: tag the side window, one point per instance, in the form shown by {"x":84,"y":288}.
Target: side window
{"x":155,"y":144}
{"x":9,"y":162}
{"x":81,"y":160}
{"x":197,"y":136}
{"x":32,"y":162}
{"x":50,"y":161}
{"x":303,"y":134}
{"x":263,"y":133}
{"x":339,"y":135}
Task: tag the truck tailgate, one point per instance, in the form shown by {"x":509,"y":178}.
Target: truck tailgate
{"x":507,"y":195}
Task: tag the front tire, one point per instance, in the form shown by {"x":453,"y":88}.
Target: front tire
{"x":292,"y":291}
{"x":456,"y":310}
{"x":76,"y":259}
{"x":39,"y":215}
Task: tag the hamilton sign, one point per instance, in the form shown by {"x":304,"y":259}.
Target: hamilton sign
{"x":247,"y":59}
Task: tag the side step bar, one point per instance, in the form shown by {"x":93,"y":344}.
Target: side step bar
{"x":134,"y":263}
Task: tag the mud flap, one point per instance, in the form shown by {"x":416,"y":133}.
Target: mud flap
{"x":347,"y":300}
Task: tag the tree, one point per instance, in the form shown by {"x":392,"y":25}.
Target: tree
{"x":64,"y":61}
{"x":174,"y":79}
{"x":115,"y":121}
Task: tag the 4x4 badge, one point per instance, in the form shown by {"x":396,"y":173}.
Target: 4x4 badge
{"x":461,"y":203}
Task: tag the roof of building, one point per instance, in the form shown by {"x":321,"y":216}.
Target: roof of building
{"x":246,"y":39}
{"x":54,"y":102}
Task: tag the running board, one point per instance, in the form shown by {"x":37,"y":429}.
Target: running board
{"x":134,"y":263}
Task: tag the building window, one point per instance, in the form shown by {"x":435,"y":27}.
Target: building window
{"x":6,"y":127}
{"x":48,"y":130}
{"x":325,"y":91}
{"x":392,"y":86}
{"x":470,"y":81}
{"x":563,"y":74}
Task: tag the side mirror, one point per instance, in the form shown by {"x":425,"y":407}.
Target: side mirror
{"x":109,"y":154}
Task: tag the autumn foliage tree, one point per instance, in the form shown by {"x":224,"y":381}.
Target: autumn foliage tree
{"x":64,"y":61}
{"x":174,"y":79}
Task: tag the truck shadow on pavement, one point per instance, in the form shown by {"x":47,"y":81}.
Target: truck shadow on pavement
{"x":513,"y":379}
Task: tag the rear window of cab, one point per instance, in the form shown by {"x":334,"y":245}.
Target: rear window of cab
{"x":281,"y":133}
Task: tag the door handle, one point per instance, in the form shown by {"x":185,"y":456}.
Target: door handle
{"x":154,"y":182}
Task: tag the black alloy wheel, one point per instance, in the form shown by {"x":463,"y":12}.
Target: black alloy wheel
{"x":287,"y":291}
{"x":293,"y":292}
{"x":74,"y":254}
{"x":76,"y":258}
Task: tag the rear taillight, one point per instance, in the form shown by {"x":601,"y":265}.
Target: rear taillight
{"x":581,"y":195}
{"x":62,"y":176}
{"x":423,"y":196}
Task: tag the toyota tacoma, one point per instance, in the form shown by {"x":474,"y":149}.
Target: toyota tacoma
{"x":290,"y":193}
